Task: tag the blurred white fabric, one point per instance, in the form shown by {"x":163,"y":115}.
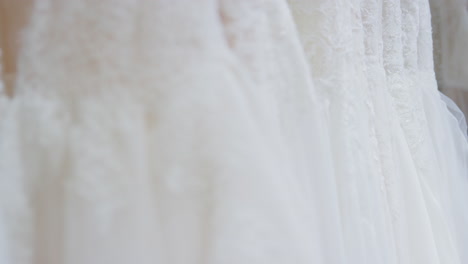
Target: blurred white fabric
{"x":231,"y":131}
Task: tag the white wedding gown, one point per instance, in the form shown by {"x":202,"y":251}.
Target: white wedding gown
{"x":230,"y":131}
{"x":384,"y":107}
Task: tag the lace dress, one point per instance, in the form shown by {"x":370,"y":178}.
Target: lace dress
{"x":395,"y":140}
{"x":143,"y":132}
{"x":230,"y":131}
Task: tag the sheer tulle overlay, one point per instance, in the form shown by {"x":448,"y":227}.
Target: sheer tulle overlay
{"x":231,"y":131}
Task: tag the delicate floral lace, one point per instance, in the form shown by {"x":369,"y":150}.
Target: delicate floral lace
{"x":230,"y":131}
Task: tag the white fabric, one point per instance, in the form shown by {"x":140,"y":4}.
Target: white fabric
{"x":231,"y":131}
{"x":456,"y":112}
{"x":382,"y":92}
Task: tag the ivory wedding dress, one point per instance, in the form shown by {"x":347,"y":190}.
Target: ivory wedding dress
{"x":399,"y":154}
{"x":230,"y":131}
{"x":166,"y":136}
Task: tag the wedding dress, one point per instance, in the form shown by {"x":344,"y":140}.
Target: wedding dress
{"x":166,"y":136}
{"x":230,"y":131}
{"x":373,"y":61}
